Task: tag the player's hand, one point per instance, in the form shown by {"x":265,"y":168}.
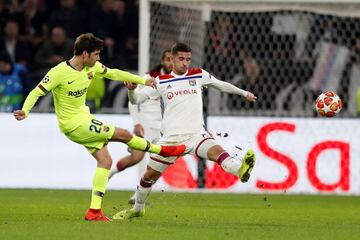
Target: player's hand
{"x":150,"y":82}
{"x":19,"y":115}
{"x":130,"y":86}
{"x":139,"y":130}
{"x":250,"y":97}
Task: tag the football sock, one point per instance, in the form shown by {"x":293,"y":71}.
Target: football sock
{"x":141,"y":144}
{"x":142,"y":193}
{"x":228,"y":163}
{"x":99,"y":186}
{"x":118,"y":167}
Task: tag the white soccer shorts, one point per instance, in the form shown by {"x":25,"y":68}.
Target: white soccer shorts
{"x":196,"y":145}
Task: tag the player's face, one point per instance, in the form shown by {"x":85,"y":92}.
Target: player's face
{"x":167,"y":63}
{"x":181,"y":62}
{"x":91,"y":58}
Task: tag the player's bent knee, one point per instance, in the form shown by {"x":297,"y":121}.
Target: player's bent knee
{"x":208,"y":149}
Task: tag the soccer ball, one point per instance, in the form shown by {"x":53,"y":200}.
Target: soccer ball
{"x":328,"y":104}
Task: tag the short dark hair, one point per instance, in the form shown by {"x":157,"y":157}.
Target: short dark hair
{"x":163,"y":54}
{"x":87,"y":42}
{"x":180,"y":47}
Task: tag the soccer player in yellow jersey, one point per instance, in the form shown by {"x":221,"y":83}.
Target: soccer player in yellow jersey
{"x":68,"y":82}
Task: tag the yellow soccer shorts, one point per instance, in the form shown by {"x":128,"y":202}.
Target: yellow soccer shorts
{"x":92,"y":134}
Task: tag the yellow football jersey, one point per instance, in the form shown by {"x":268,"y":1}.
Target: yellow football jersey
{"x":69,"y":87}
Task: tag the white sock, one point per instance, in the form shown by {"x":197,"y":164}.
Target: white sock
{"x":141,"y":195}
{"x":113,"y":171}
{"x":133,"y":196}
{"x":229,"y":164}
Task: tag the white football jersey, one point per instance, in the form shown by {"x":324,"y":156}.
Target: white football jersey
{"x":182,"y":98}
{"x":147,"y":113}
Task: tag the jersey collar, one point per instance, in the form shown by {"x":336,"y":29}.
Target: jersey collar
{"x":68,"y":63}
{"x":175,"y":75}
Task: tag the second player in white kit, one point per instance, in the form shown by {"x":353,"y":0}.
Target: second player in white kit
{"x":181,"y":93}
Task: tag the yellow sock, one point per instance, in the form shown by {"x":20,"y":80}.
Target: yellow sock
{"x":99,"y":186}
{"x":141,"y":144}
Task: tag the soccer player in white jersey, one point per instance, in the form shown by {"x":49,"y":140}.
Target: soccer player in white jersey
{"x":147,"y":119}
{"x":181,"y":92}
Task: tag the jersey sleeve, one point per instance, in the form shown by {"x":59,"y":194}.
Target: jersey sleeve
{"x":210,"y":81}
{"x":31,"y":99}
{"x":138,"y":96}
{"x":99,"y":68}
{"x":49,"y":82}
{"x":117,"y":74}
{"x":207,"y":79}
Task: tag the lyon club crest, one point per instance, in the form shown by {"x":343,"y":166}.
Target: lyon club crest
{"x":192,"y":82}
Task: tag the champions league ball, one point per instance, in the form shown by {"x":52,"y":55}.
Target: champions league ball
{"x":328,"y":104}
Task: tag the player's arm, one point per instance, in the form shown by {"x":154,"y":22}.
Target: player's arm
{"x":211,"y":81}
{"x":136,"y":97}
{"x":30,"y":101}
{"x":46,"y":85}
{"x":119,"y":75}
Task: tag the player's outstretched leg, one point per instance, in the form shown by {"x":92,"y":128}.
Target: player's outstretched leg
{"x":141,"y":144}
{"x":246,"y":166}
{"x":233,"y":165}
{"x":172,"y":151}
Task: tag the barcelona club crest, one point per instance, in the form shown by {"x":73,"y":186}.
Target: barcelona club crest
{"x":192,"y":82}
{"x":90,"y":75}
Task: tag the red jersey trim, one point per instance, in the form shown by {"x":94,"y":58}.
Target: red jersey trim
{"x":165,"y":76}
{"x":193,"y":71}
{"x":154,"y":74}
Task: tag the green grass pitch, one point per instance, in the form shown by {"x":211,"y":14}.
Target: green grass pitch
{"x":58,"y":214}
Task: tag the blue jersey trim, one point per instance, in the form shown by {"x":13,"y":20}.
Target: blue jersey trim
{"x":180,"y":79}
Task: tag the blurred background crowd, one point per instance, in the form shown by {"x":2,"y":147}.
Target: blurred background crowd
{"x":38,"y":34}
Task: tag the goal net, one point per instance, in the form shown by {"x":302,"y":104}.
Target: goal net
{"x":286,"y":52}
